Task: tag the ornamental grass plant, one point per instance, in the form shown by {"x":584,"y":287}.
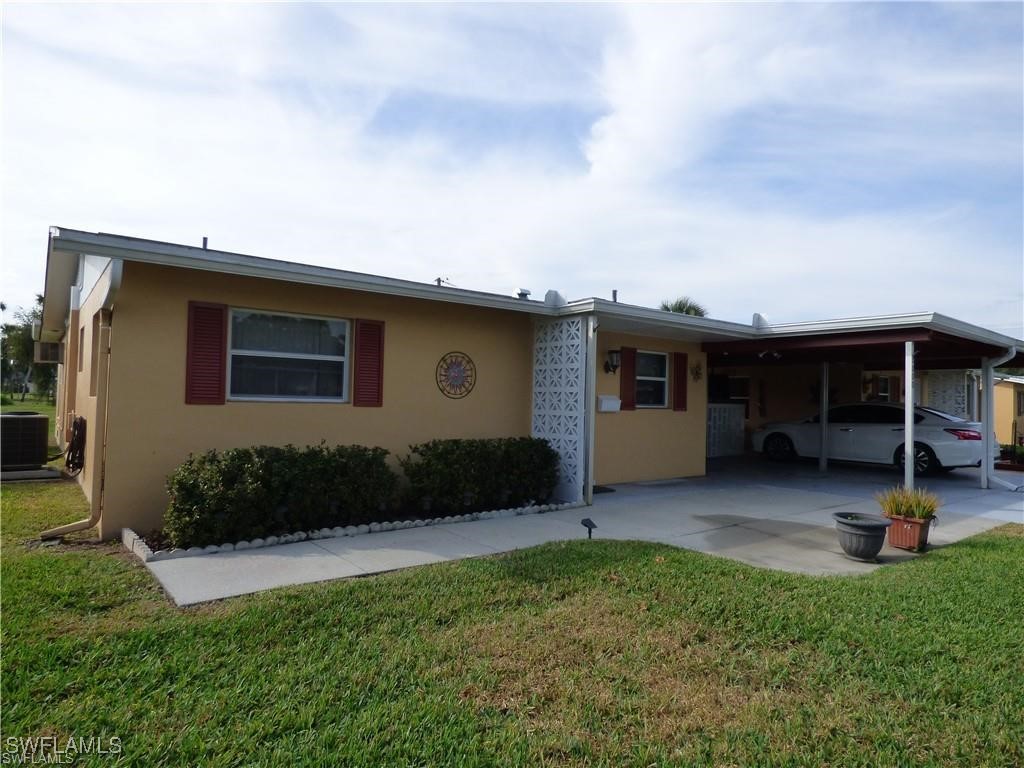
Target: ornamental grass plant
{"x":908,"y":502}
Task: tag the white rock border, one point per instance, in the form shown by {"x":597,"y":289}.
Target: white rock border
{"x":136,"y":546}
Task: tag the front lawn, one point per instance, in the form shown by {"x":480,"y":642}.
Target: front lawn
{"x":587,"y":653}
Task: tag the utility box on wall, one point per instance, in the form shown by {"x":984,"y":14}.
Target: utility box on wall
{"x":608,"y":404}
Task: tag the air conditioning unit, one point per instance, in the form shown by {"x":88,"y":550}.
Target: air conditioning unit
{"x":23,"y":440}
{"x":49,"y":352}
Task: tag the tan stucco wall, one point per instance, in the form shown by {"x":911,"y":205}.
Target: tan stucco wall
{"x":151,"y":429}
{"x":81,"y":402}
{"x":66,"y":380}
{"x":789,"y":390}
{"x":1005,"y":405}
{"x":650,"y":443}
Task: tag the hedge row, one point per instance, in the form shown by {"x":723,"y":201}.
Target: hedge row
{"x":457,"y":476}
{"x":246,"y":493}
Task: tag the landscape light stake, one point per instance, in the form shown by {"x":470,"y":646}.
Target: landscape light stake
{"x":590,"y":525}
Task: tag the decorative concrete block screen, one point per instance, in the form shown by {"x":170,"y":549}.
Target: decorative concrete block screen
{"x":559,"y":372}
{"x":949,"y":392}
{"x":725,"y":429}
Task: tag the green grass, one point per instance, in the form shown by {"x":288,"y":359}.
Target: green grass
{"x":585,"y":653}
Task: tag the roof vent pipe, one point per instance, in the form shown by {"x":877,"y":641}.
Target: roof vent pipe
{"x":615,"y":295}
{"x":204,"y":242}
{"x":524,"y":294}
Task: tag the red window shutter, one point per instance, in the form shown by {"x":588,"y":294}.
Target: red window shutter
{"x":206,"y":358}
{"x":627,"y":378}
{"x":368,"y":356}
{"x":680,"y":370}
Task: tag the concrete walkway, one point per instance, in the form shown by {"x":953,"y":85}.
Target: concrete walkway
{"x":767,"y":516}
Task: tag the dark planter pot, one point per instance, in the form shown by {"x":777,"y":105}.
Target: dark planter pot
{"x":910,"y":533}
{"x":861,"y":536}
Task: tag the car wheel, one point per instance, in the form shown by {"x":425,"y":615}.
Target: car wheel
{"x":778,"y":447}
{"x":925,"y":462}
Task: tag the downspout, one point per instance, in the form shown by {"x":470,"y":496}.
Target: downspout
{"x":988,"y":422}
{"x":100,"y":429}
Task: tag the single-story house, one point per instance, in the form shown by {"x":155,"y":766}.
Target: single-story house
{"x":1009,"y":410}
{"x":166,"y":350}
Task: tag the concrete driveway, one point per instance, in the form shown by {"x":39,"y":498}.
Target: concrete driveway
{"x":770,"y":516}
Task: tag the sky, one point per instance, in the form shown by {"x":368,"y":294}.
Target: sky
{"x":798,"y":160}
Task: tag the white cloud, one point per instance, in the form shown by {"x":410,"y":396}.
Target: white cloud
{"x":244,"y":124}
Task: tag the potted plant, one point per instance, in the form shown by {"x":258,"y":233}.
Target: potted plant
{"x":912,"y":512}
{"x":861,"y":535}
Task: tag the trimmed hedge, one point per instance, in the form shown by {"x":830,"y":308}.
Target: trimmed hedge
{"x":461,"y":476}
{"x":243,"y":493}
{"x":239,"y":494}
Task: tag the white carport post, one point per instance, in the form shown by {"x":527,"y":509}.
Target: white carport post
{"x":988,"y":418}
{"x":823,"y":418}
{"x":988,"y":421}
{"x":908,"y":415}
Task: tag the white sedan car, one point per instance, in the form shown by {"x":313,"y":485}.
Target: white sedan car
{"x":873,"y":433}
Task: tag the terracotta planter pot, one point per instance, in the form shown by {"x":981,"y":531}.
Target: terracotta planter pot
{"x":910,"y":533}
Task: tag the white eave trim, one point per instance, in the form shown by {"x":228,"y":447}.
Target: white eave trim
{"x":189,"y":257}
{"x":66,"y":244}
{"x":673,"y":320}
{"x":930,"y":320}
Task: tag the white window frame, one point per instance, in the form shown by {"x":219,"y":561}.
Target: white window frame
{"x":664,"y":378}
{"x":288,"y":355}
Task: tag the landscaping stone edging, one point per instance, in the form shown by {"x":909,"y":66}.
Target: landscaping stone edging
{"x":138,"y":547}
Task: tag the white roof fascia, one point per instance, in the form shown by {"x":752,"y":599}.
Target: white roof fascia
{"x":669,"y":320}
{"x":67,"y":244}
{"x":932,"y":320}
{"x":192,"y":257}
{"x":847,"y":325}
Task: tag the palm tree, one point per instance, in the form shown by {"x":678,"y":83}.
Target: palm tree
{"x":684,"y":305}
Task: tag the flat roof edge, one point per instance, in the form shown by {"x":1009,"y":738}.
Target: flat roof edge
{"x":209,"y":260}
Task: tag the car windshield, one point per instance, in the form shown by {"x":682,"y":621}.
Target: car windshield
{"x":941,"y":414}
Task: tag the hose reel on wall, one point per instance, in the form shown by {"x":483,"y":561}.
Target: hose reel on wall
{"x":74,"y":458}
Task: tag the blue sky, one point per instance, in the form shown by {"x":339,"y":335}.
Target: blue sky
{"x":802,"y":161}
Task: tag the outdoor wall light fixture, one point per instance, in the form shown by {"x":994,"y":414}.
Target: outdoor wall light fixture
{"x":611,"y":365}
{"x":697,"y":371}
{"x":590,"y":525}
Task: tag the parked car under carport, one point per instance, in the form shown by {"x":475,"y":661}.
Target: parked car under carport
{"x":873,"y":433}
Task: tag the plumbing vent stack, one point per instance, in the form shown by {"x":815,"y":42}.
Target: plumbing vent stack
{"x":524,"y":294}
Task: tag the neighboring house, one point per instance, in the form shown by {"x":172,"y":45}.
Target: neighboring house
{"x":955,"y":392}
{"x":1009,"y":410}
{"x":958,"y":393}
{"x":168,"y":350}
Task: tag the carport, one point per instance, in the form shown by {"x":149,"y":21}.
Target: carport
{"x":911,"y":343}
